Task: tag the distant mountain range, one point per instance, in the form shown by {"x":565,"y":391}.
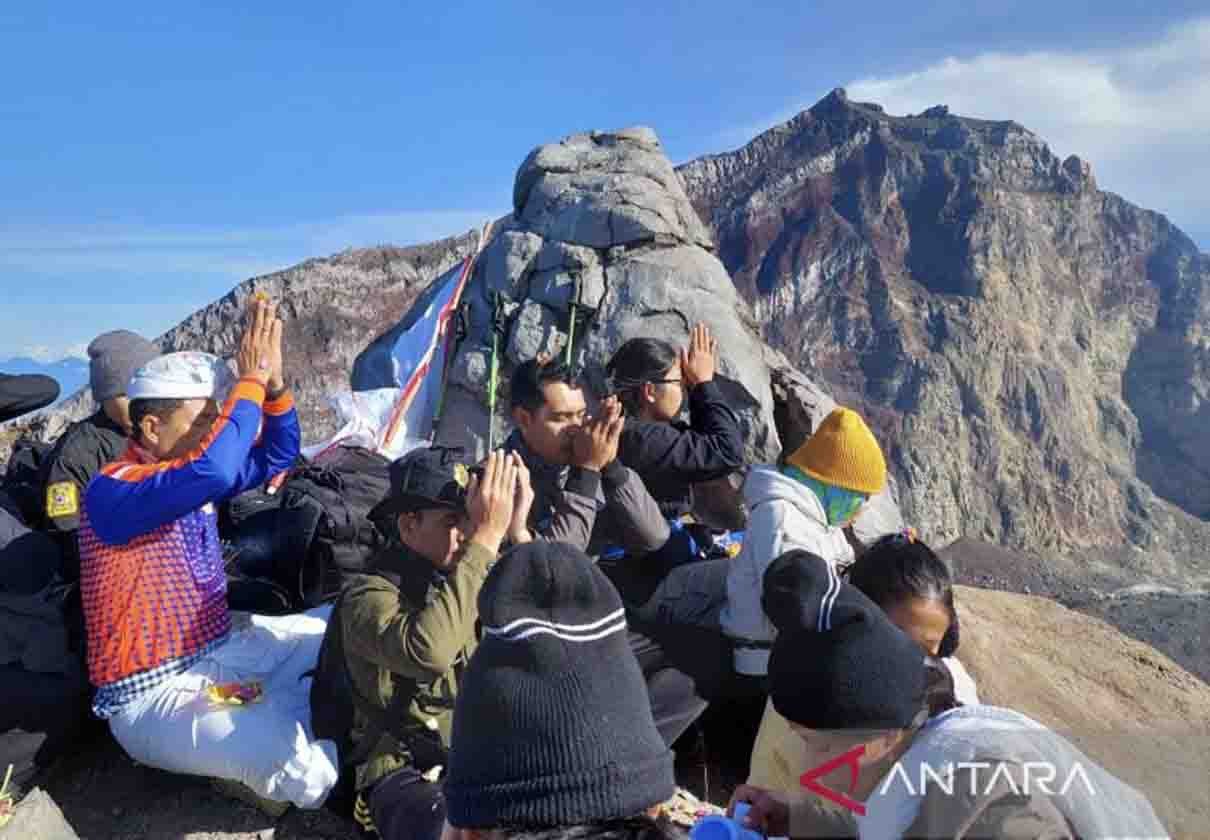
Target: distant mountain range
{"x":71,"y":373}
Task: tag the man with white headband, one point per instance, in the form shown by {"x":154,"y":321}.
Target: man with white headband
{"x":154,"y":586}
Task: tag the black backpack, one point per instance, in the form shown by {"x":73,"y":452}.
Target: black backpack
{"x":22,"y":483}
{"x":323,"y":528}
{"x":247,"y":525}
{"x":334,"y":700}
{"x":44,"y":691}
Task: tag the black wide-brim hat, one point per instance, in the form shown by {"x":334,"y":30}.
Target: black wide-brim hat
{"x":424,"y":479}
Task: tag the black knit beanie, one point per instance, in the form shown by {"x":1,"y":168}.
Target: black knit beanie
{"x":838,"y":662}
{"x":553,"y":724}
{"x":113,"y":359}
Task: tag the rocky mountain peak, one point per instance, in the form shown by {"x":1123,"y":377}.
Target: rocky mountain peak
{"x":604,"y":234}
{"x":604,"y":190}
{"x":333,"y":307}
{"x":1031,"y":348}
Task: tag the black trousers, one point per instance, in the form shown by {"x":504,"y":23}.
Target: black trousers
{"x":684,"y":665}
{"x":678,"y":697}
{"x":405,"y":806}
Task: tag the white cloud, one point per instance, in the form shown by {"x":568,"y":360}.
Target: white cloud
{"x":49,"y":330}
{"x":46,"y":354}
{"x":63,"y":285}
{"x":234,"y":253}
{"x":1140,"y":114}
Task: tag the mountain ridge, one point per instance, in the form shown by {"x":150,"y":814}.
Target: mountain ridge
{"x":900,"y":274}
{"x":892,"y":256}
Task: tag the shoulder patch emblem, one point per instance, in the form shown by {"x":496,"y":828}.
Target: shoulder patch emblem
{"x":461,"y":475}
{"x":62,"y":499}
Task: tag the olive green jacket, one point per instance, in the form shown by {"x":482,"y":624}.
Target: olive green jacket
{"x":409,"y":628}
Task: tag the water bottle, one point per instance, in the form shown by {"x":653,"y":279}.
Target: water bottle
{"x":719,"y":827}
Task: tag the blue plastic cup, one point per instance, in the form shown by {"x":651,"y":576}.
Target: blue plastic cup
{"x":718,"y":827}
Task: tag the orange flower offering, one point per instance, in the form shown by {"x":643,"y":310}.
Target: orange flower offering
{"x":235,"y":694}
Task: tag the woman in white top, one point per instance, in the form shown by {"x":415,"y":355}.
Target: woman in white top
{"x":805,"y":503}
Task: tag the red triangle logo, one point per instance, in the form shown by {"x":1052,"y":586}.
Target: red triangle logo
{"x":850,"y":759}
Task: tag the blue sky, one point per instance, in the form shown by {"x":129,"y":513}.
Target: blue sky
{"x":154,"y":155}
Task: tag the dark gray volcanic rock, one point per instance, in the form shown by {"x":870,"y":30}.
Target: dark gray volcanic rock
{"x":600,"y":220}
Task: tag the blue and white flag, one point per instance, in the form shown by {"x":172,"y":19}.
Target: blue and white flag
{"x":419,"y":357}
{"x":392,"y":421}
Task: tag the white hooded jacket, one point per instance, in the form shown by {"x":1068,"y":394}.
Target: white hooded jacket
{"x":783,"y":514}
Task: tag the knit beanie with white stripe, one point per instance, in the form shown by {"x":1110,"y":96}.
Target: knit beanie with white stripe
{"x":838,"y":662}
{"x":553,"y":724}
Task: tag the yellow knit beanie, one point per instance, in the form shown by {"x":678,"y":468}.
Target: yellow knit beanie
{"x":843,"y":453}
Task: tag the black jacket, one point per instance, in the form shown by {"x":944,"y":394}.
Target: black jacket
{"x":19,"y":394}
{"x":73,"y":462}
{"x":670,"y":457}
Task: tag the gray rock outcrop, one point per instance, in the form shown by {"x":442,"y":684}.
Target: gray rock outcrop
{"x":600,"y":226}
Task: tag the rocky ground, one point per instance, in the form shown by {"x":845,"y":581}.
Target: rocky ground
{"x":1175,"y":619}
{"x":1126,"y":705}
{"x":106,"y":796}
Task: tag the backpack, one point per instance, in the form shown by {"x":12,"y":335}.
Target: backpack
{"x":247,"y":526}
{"x":334,"y":700}
{"x":323,"y":528}
{"x":22,"y":483}
{"x":252,"y":510}
{"x":44,"y":691}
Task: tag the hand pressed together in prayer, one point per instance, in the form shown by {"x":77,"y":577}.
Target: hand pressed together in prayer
{"x":496,"y":498}
{"x":523,"y":501}
{"x":700,"y":359}
{"x":596,"y":443}
{"x":260,"y":352}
